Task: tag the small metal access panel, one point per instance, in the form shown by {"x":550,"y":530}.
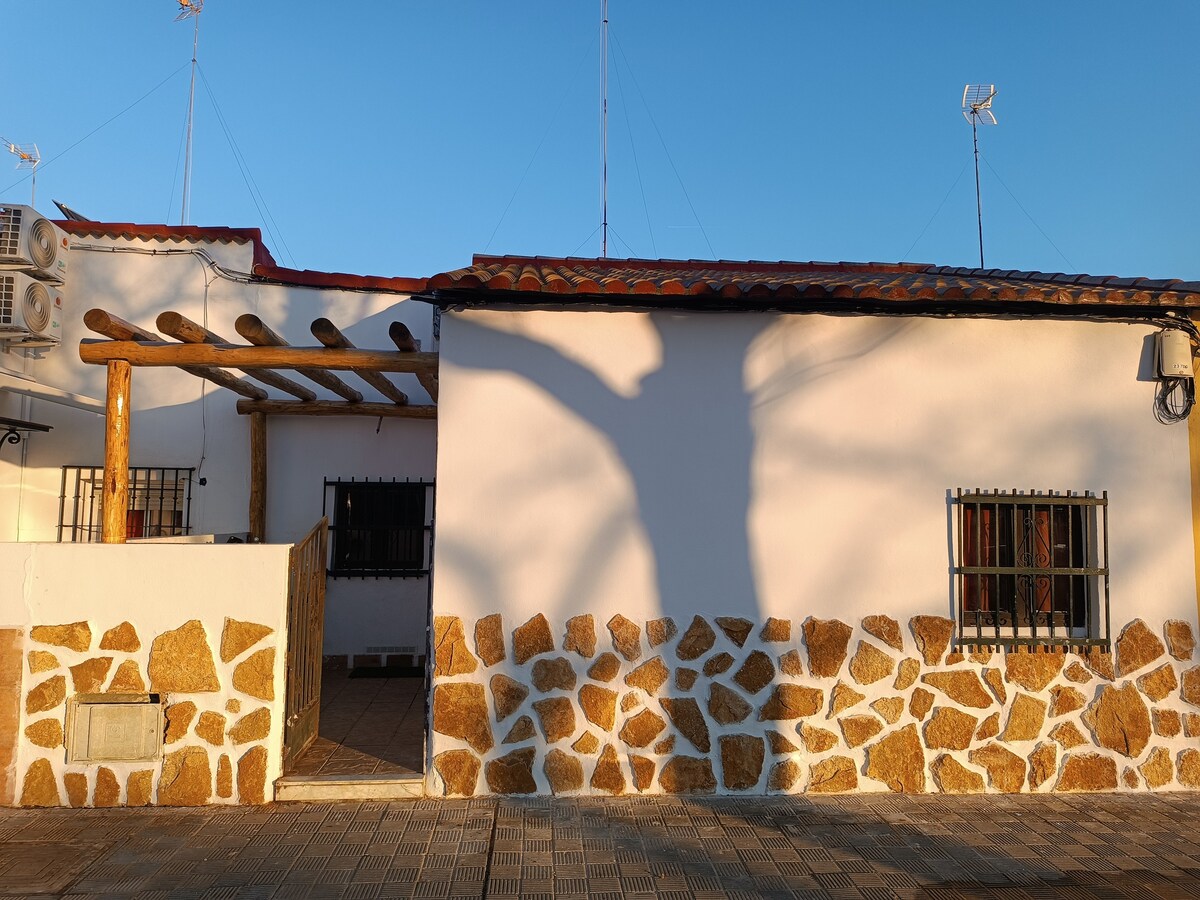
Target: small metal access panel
{"x":114,"y":727}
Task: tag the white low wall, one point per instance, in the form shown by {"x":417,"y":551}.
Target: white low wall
{"x":218,"y":610}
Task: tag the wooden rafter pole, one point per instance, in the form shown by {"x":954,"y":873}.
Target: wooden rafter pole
{"x":126,"y":334}
{"x":258,"y":476}
{"x":184,"y":329}
{"x":404,"y":341}
{"x":329,"y":335}
{"x":252,"y":328}
{"x":335,"y":408}
{"x":114,"y":503}
{"x":236,"y":356}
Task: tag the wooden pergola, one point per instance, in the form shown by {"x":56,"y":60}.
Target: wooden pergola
{"x":202,"y":353}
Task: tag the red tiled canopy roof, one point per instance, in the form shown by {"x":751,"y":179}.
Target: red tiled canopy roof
{"x":698,"y":283}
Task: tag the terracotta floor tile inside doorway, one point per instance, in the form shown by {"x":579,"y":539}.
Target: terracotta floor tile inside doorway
{"x":368,"y":726}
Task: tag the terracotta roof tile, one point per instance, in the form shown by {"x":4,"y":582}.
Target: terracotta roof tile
{"x":725,"y":283}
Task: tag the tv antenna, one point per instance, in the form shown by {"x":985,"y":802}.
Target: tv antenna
{"x":603,"y":128}
{"x":976,"y":109}
{"x":189,"y":9}
{"x":28,"y":156}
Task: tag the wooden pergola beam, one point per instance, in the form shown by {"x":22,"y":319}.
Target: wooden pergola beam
{"x":114,"y":504}
{"x":258,"y":476}
{"x":253,"y":329}
{"x":126,"y":334}
{"x":405,"y":342}
{"x":329,"y":335}
{"x":184,"y":329}
{"x":335,"y":408}
{"x":236,"y":356}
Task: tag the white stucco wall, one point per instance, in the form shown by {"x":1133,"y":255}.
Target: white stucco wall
{"x":156,"y":588}
{"x":182,"y":421}
{"x":772,"y":465}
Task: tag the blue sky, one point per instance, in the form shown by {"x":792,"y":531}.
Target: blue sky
{"x":390,"y":138}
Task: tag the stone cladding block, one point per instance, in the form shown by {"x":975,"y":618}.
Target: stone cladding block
{"x":952,"y":777}
{"x":40,"y":787}
{"x":898,"y":760}
{"x":127,"y":679}
{"x":649,"y":676}
{"x":123,"y":638}
{"x":255,"y":675}
{"x":736,"y":629}
{"x":237,"y":637}
{"x":842,"y":698}
{"x":42,"y":661}
{"x":512,"y":773}
{"x":489,"y":639}
{"x":607,"y":777}
{"x":792,"y":701}
{"x":587,"y":744}
{"x":1180,"y":640}
{"x":885,"y":629}
{"x":1068,"y":735}
{"x":210,"y":727}
{"x":554,"y":674}
{"x":726,"y":706}
{"x":532,"y":639}
{"x":993,"y":679}
{"x":962,"y":686}
{"x":716,"y":664}
{"x":988,"y":728}
{"x":1167,"y":722}
{"x":563,"y":771}
{"x":186,"y":778}
{"x":950,"y":729}
{"x":1065,"y":699}
{"x":827,"y":641}
{"x":507,"y":695}
{"x":224,"y":777}
{"x":870,"y":664}
{"x":108,"y":790}
{"x":1032,"y":671}
{"x":599,"y":706}
{"x":755,"y":673}
{"x":1159,"y":683}
{"x":626,"y":637}
{"x":685,"y":678}
{"x":685,"y":715}
{"x":742,"y":758}
{"x":88,"y":676}
{"x":450,"y":653}
{"x":776,"y":631}
{"x":857,"y":730}
{"x":1158,"y":770}
{"x":460,"y":711}
{"x":76,"y":784}
{"x":817,"y":740}
{"x":1025,"y":719}
{"x":254,"y":726}
{"x":556,"y":715}
{"x":46,"y":695}
{"x":1043,"y":764}
{"x":182,"y":662}
{"x":1087,"y":772}
{"x":779,"y":744}
{"x":696,"y":641}
{"x":890,"y":709}
{"x":46,"y":733}
{"x":642,"y":729}
{"x":1006,"y":770}
{"x":1119,"y":720}
{"x":581,"y":636}
{"x":920,"y":703}
{"x":1077,"y":673}
{"x":790,"y":664}
{"x":1137,"y":647}
{"x":1187,"y":764}
{"x":932,"y":634}
{"x":522,"y":730}
{"x":179,"y":719}
{"x":643,"y":769}
{"x":834,"y":775}
{"x":76,"y":636}
{"x":783,"y":777}
{"x":606,"y":667}
{"x":139,"y":787}
{"x":687,"y":775}
{"x":659,"y":631}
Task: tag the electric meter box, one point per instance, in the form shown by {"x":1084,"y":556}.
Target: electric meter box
{"x":1175,"y":354}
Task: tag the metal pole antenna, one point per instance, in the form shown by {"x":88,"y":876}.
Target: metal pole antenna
{"x":978,"y":196}
{"x":604,"y":129}
{"x":187,"y":165}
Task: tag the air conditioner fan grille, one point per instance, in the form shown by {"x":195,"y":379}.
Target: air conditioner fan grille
{"x":43,"y":244}
{"x":36,"y":307}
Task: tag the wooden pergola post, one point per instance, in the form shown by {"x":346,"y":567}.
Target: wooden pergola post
{"x":115,"y":501}
{"x":258,"y":477}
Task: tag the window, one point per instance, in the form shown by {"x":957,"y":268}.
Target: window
{"x":160,"y":503}
{"x":1032,"y":568}
{"x":380,"y":528}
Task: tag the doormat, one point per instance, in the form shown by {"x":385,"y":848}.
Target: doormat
{"x":387,"y":672}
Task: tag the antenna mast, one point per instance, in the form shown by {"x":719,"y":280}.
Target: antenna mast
{"x":189,"y":9}
{"x":977,"y":109}
{"x":28,"y":156}
{"x":603,"y":128}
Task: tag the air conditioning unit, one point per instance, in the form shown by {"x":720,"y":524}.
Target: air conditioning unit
{"x":30,"y":243}
{"x":31,"y":311}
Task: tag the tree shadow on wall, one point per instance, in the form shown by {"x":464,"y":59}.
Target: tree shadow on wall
{"x":685,"y":441}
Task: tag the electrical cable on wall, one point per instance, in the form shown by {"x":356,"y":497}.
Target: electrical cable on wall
{"x":1176,"y":392}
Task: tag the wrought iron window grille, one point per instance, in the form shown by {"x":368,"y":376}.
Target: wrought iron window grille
{"x":380,"y":528}
{"x":1032,"y":569}
{"x":160,"y":503}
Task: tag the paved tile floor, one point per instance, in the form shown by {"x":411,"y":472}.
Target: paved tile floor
{"x":670,"y":848}
{"x":368,"y":726}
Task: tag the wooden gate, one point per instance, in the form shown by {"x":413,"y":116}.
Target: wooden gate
{"x":306,"y":627}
